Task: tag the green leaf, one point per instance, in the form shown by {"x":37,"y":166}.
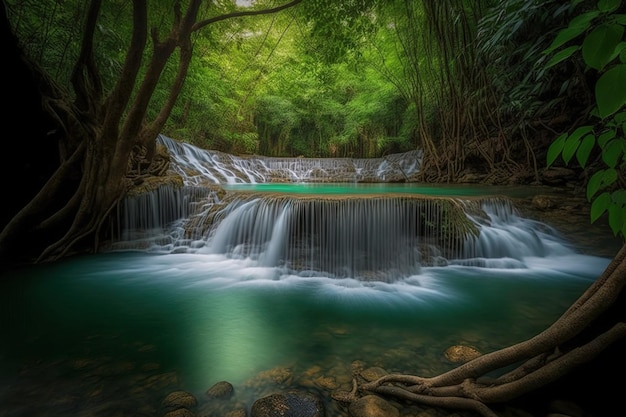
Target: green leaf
{"x":569,"y":148}
{"x":582,"y":130}
{"x":619,"y":197}
{"x":562,"y":55}
{"x":582,"y":155}
{"x":605,"y":137}
{"x":616,"y":217}
{"x":584,"y":19}
{"x":600,"y":180}
{"x":618,"y":50}
{"x":611,"y":90}
{"x":555,"y":149}
{"x":612,"y":152}
{"x":608,"y":5}
{"x":599,"y":206}
{"x":564,"y":36}
{"x":600,"y":43}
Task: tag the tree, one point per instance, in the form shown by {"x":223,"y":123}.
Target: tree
{"x":99,"y":132}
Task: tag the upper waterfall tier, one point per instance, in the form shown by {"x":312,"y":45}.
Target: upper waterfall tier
{"x":198,"y":166}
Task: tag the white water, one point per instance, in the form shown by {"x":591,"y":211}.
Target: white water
{"x":366,"y":237}
{"x":198,"y":166}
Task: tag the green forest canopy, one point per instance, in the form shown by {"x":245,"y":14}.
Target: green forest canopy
{"x":483,"y":87}
{"x":363,"y":79}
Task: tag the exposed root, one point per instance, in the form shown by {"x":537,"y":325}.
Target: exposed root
{"x":543,"y":359}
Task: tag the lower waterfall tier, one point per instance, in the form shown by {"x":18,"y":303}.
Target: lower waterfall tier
{"x":379,"y":237}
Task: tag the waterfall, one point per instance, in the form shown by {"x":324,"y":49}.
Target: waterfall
{"x":157,"y":218}
{"x":198,"y":166}
{"x":379,"y":237}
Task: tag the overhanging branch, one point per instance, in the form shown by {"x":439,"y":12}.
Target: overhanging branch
{"x":200,"y":25}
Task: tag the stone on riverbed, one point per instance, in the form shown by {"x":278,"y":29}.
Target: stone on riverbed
{"x":292,"y":403}
{"x":178,"y":404}
{"x":221,"y":390}
{"x":372,"y":406}
{"x":461,"y":353}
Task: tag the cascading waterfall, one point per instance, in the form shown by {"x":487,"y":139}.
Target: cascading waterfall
{"x":198,"y":166}
{"x":156,"y":217}
{"x":379,"y":237}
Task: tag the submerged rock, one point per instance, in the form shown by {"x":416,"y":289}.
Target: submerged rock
{"x":179,"y":404}
{"x":461,"y":353}
{"x":222,"y":390}
{"x":372,"y":406}
{"x":293,"y":403}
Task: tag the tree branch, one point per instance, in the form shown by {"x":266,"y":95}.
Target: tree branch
{"x":200,"y":25}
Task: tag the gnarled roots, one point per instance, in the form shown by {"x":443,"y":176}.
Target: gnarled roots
{"x":575,"y":338}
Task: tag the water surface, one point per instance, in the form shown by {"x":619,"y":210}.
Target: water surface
{"x":132,"y":327}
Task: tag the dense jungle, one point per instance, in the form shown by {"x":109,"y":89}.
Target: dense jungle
{"x":516,"y":92}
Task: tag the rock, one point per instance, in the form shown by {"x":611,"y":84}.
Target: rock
{"x":326,"y":382}
{"x":289,"y":404}
{"x":222,"y":390}
{"x":544,"y":202}
{"x":179,"y":399}
{"x":373,"y":373}
{"x":372,"y":406}
{"x":461,"y":353}
{"x":240,"y":412}
{"x":181,"y":412}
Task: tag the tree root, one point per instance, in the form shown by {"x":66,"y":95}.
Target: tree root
{"x":543,"y":357}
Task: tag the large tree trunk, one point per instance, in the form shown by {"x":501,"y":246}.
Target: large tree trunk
{"x":594,"y":323}
{"x":95,"y":134}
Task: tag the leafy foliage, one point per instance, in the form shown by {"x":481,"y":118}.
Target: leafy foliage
{"x":603,"y":51}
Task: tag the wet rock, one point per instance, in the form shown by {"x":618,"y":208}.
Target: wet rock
{"x":240,"y":412}
{"x":372,"y":406}
{"x":326,"y":382}
{"x":181,"y":412}
{"x":544,"y":202}
{"x":461,"y":353}
{"x":289,"y":404}
{"x":222,"y":390}
{"x":278,"y":375}
{"x":179,"y":399}
{"x":373,"y":373}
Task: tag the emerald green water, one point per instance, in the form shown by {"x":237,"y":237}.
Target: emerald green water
{"x":112,"y":332}
{"x":377,"y":188}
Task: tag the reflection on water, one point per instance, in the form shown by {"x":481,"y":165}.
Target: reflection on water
{"x":122,"y":330}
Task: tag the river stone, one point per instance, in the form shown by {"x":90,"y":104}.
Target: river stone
{"x":543,"y":202}
{"x":179,"y":399}
{"x":222,"y":389}
{"x":461,"y":353}
{"x":373,"y":373}
{"x":289,"y":404}
{"x":181,"y":412}
{"x":372,"y":406}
